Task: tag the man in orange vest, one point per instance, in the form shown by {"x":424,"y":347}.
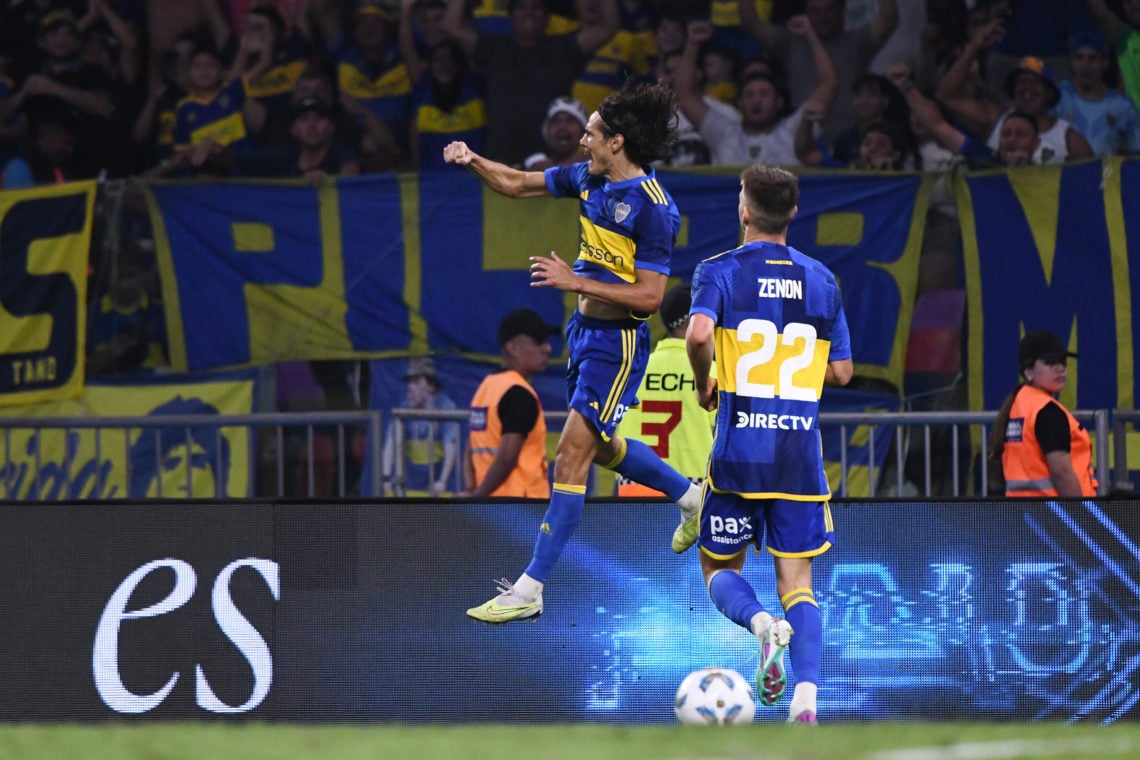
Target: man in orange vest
{"x":507,"y":450}
{"x":1044,"y":451}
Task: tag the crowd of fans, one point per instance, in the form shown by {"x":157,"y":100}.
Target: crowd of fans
{"x":322,"y":87}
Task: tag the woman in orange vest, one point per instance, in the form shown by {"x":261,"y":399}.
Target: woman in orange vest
{"x":1044,"y":451}
{"x":507,"y":451}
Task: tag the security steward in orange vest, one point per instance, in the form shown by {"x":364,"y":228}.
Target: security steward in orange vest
{"x":1044,"y":451}
{"x":507,"y":447}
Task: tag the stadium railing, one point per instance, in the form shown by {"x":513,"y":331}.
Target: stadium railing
{"x":943,"y":450}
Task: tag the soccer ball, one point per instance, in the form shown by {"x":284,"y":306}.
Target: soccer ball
{"x":715,"y":697}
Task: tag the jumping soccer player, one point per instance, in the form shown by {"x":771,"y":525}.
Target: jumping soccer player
{"x":628,"y":227}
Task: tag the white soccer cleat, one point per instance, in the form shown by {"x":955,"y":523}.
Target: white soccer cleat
{"x":770,"y":676}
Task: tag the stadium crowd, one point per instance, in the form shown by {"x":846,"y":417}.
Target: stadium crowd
{"x":125,"y":87}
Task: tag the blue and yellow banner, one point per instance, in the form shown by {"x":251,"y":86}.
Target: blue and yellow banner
{"x":45,"y":234}
{"x":395,"y":264}
{"x":174,"y":461}
{"x":1049,"y":248}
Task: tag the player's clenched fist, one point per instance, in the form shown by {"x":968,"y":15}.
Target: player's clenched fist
{"x":458,"y":153}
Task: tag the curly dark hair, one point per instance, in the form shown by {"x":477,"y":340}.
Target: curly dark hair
{"x":646,"y":116}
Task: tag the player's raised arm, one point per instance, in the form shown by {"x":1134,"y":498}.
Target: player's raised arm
{"x":503,"y":179}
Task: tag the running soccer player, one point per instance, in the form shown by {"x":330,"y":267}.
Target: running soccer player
{"x":774,"y":320}
{"x":628,"y":226}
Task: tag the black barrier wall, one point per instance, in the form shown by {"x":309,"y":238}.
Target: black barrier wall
{"x":986,"y":610}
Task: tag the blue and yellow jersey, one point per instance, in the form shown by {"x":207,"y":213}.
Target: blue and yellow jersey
{"x":218,"y":118}
{"x":384,"y":88}
{"x":624,"y":226}
{"x":725,"y":17}
{"x":467,"y":121}
{"x":276,"y":84}
{"x":492,"y":16}
{"x":779,"y":321}
{"x":625,"y":54}
{"x":143,"y":325}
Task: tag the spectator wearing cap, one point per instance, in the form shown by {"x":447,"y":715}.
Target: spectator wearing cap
{"x":669,"y":418}
{"x":562,"y":132}
{"x":65,"y":84}
{"x":1043,"y":450}
{"x":314,"y":153}
{"x":373,"y":83}
{"x":527,"y":69}
{"x":506,"y":454}
{"x":1105,"y":116}
{"x":1123,"y":31}
{"x":430,"y":447}
{"x":1030,"y":88}
{"x":20,"y":27}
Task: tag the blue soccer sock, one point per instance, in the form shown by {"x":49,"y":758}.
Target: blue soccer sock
{"x":806,"y":649}
{"x":735,"y":598}
{"x":637,"y":461}
{"x":567,"y":503}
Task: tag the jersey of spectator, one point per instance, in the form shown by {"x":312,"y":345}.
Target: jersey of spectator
{"x":271,"y":82}
{"x":371,"y":72}
{"x":448,"y":105}
{"x":725,"y":18}
{"x":126,"y":336}
{"x":527,"y":69}
{"x":1124,"y":33}
{"x":217,"y":117}
{"x":624,"y":55}
{"x":1110,"y":124}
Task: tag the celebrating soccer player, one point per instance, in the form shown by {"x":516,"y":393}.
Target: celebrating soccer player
{"x":628,"y":226}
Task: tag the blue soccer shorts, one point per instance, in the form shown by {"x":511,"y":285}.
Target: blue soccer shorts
{"x":729,"y":523}
{"x":607,"y":361}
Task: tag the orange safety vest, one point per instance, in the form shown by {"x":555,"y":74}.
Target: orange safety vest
{"x":1022,"y":460}
{"x":528,"y":479}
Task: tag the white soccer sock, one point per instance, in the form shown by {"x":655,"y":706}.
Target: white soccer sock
{"x":528,"y":587}
{"x":690,"y":503}
{"x":759,"y":624}
{"x":803,"y":698}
